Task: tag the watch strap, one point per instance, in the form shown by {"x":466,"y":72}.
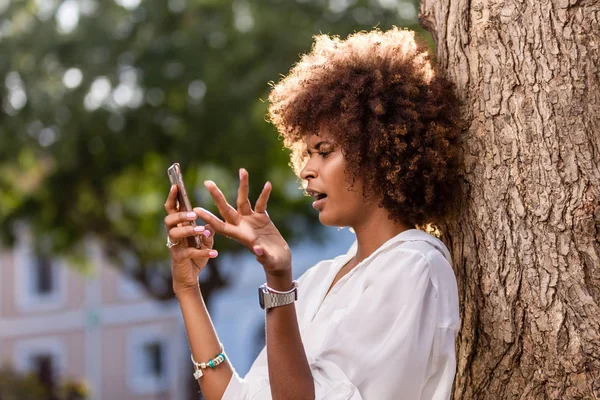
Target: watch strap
{"x":271,"y":298}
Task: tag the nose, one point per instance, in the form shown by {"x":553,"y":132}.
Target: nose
{"x":309,"y":171}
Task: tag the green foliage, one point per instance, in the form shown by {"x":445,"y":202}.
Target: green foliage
{"x":16,"y":386}
{"x":95,"y":112}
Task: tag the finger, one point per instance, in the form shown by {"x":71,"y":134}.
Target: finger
{"x":258,"y":251}
{"x":228,"y":213}
{"x":215,"y":223}
{"x":171,"y":203}
{"x":192,"y":252}
{"x":208,"y":236}
{"x":263,"y":199}
{"x":177,"y":233}
{"x":174,"y":219}
{"x":243,"y":204}
{"x":261,"y":254}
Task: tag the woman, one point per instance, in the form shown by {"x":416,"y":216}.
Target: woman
{"x":373,"y":132}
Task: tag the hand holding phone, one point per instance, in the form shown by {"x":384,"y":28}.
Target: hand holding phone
{"x":183,"y":200}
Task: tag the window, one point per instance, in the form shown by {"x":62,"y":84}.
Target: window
{"x":129,"y":288}
{"x":43,"y":276}
{"x":147,"y":364}
{"x":153,"y":359}
{"x":41,"y":280}
{"x":43,"y":366}
{"x":44,"y":357}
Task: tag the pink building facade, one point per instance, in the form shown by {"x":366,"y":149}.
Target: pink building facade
{"x":99,"y":328}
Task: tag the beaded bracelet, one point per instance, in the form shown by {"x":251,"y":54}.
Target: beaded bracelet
{"x":198,"y":367}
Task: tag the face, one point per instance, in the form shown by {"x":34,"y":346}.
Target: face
{"x":339,"y":202}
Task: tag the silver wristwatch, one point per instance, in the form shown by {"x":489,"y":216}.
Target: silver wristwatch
{"x":271,"y":298}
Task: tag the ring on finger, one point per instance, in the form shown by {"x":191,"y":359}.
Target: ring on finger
{"x":171,"y":244}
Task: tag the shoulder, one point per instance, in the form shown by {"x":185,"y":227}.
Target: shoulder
{"x":418,"y":247}
{"x":428,"y":246}
{"x":435,"y":257}
{"x":409,"y":251}
{"x":411,"y":264}
{"x":429,"y":256}
{"x":398,"y":264}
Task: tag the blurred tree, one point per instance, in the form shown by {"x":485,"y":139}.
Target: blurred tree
{"x":101,"y":97}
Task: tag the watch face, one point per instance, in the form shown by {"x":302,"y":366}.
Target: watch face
{"x":261,"y":298}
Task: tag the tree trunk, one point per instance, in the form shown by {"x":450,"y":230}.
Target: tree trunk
{"x":527,"y":245}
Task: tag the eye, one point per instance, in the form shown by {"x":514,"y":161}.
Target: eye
{"x":324,"y":154}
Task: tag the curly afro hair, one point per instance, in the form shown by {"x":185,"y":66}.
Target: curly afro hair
{"x":396,"y":121}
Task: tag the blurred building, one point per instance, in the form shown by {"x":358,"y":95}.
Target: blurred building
{"x":104,"y":330}
{"x":101,"y":329}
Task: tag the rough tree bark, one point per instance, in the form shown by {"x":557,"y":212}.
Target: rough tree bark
{"x":527,"y":245}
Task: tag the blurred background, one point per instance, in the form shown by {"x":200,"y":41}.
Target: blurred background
{"x":98,"y":99}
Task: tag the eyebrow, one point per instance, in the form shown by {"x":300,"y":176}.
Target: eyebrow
{"x":318,"y":146}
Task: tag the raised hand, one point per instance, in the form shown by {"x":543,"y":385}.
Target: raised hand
{"x":186,"y":261}
{"x":252,"y":228}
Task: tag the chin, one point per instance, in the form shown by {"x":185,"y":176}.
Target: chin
{"x":332,"y":220}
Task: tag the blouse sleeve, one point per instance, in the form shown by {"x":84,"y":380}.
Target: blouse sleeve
{"x":388,"y":345}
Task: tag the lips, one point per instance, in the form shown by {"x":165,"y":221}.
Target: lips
{"x":320,"y":198}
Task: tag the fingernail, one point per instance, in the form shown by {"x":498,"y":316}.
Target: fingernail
{"x":240,"y":171}
{"x":207,"y":233}
{"x":191,"y":215}
{"x":172,"y":188}
{"x":199,"y":228}
{"x":258,"y":251}
{"x":213,"y":253}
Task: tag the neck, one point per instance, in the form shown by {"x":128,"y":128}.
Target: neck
{"x":373,"y":231}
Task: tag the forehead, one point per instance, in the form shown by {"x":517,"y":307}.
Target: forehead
{"x":312,"y":139}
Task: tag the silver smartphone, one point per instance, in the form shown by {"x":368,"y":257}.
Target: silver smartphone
{"x":183,"y":200}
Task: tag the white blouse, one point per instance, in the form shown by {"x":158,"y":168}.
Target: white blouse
{"x":386,"y":330}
